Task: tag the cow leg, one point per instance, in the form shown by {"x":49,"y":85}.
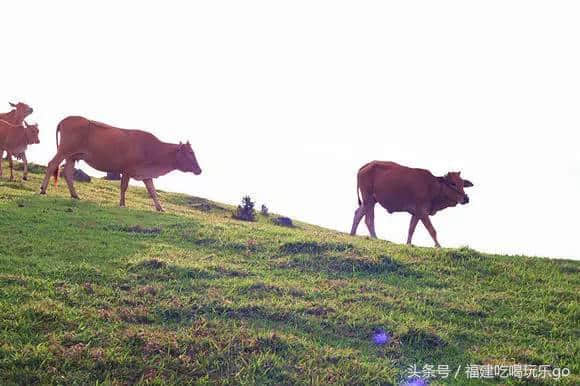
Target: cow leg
{"x":369,"y":209}
{"x":11,"y":166}
{"x":412,"y":226}
{"x":427,"y":222}
{"x":358,"y":215}
{"x":25,"y":163}
{"x":124,"y":185}
{"x":153,"y":193}
{"x":68,"y":171}
{"x":50,"y":169}
{"x":1,"y":153}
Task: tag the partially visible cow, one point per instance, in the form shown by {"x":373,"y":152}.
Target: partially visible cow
{"x":16,"y":117}
{"x":133,"y":153}
{"x":402,"y":189}
{"x":15,"y":139}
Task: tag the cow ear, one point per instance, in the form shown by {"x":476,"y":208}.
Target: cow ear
{"x":12,"y":104}
{"x":467,"y":184}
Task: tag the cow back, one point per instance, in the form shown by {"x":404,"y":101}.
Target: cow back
{"x":112,"y":149}
{"x":399,"y":188}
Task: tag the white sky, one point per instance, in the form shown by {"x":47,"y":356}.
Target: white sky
{"x":285,"y":101}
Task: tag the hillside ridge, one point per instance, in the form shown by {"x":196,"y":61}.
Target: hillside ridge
{"x":95,"y":293}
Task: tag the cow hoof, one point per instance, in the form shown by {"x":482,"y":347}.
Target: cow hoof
{"x":75,"y":197}
{"x":25,"y":178}
{"x":121,"y":205}
{"x":160,"y":209}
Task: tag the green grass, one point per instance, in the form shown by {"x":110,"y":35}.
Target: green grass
{"x":91,"y":293}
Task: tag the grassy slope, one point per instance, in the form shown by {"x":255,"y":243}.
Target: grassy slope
{"x":84,"y":299}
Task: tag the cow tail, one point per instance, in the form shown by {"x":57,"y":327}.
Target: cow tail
{"x":358,"y":191}
{"x":358,"y":181}
{"x":57,"y":130}
{"x":55,"y":174}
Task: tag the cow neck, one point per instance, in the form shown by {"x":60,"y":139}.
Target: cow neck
{"x":169,"y":150}
{"x":28,"y":140}
{"x":10,"y":117}
{"x":442,"y":201}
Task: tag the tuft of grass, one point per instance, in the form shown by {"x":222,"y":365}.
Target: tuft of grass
{"x":92,"y":293}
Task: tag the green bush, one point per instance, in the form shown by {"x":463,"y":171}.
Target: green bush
{"x":245,"y":212}
{"x":264,"y":210}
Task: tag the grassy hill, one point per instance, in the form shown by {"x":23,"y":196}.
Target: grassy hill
{"x":92,"y":293}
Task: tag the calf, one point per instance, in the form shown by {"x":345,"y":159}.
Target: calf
{"x":15,"y":139}
{"x":402,"y":189}
{"x":16,"y":117}
{"x":133,"y":153}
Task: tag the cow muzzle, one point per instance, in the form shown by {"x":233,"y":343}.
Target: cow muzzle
{"x":196,"y":171}
{"x":465,"y":200}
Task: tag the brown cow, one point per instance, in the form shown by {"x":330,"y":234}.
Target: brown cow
{"x":133,"y":153}
{"x":16,"y":117}
{"x":401,"y":189}
{"x":15,"y":139}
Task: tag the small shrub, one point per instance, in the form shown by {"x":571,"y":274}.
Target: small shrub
{"x":264,"y":210}
{"x":245,"y":212}
{"x":283,"y":221}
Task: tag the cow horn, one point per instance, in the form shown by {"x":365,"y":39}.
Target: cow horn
{"x":188,"y":143}
{"x":12,"y":104}
{"x":26,"y":124}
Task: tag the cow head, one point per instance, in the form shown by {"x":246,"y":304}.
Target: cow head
{"x":31,"y":133}
{"x":455,"y":185}
{"x":22,"y":110}
{"x":186,"y":161}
